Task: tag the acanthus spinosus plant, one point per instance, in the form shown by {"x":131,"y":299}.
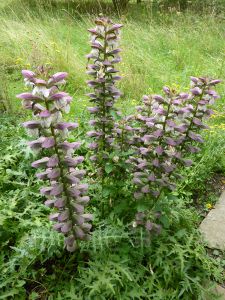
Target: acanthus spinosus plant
{"x":112,"y":133}
{"x":169,"y":128}
{"x":119,"y":168}
{"x":65,"y":191}
{"x":104,"y":55}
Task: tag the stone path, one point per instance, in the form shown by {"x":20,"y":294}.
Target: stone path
{"x":213,"y":226}
{"x":213,"y":230}
{"x":220,"y":291}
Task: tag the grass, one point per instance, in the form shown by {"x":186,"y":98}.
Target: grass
{"x":162,"y":49}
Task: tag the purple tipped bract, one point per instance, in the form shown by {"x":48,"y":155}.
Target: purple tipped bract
{"x":45,"y":114}
{"x":28,"y":74}
{"x":59,"y":203}
{"x":32,"y":124}
{"x":28,"y":96}
{"x":195,"y":137}
{"x":93,"y":109}
{"x":63,"y":126}
{"x":48,"y":143}
{"x":59,"y":76}
{"x":58,"y":96}
{"x":194,"y":79}
{"x":214,"y":82}
{"x":158,"y":98}
{"x":40,"y":82}
{"x":166,"y":90}
{"x":36,"y":144}
{"x":40,"y":163}
{"x":115,"y":27}
{"x":196,"y":91}
{"x":66,"y":145}
{"x":54,"y":174}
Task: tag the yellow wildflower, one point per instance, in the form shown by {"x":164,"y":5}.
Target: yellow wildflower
{"x":18,"y":60}
{"x":209,"y":206}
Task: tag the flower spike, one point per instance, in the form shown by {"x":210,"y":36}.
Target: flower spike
{"x":65,"y":192}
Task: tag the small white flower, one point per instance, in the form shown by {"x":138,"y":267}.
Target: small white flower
{"x":41,"y":91}
{"x":116,"y":159}
{"x":169,"y":129}
{"x":160,"y":119}
{"x":67,"y":108}
{"x":171,"y":151}
{"x":134,"y":224}
{"x":33,"y":132}
{"x":99,"y":43}
{"x":168,"y":162}
{"x":28,"y":83}
{"x":46,"y":122}
{"x":160,"y":126}
{"x":207,"y":97}
{"x":69,"y":152}
{"x":113,"y":43}
{"x":192,"y":84}
{"x":211,"y":101}
{"x":100,"y":29}
{"x":184,"y":116}
{"x":156,"y":105}
{"x":61,"y":82}
{"x":26,"y":103}
{"x":59,"y":104}
{"x":93,"y":38}
{"x":94,"y":52}
{"x":202,"y":108}
{"x":63,"y":133}
{"x":101,"y":73}
{"x":56,"y":117}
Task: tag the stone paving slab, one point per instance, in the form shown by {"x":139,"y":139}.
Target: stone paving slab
{"x":213,"y":226}
{"x":221,"y":292}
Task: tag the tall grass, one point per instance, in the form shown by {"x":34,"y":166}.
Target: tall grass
{"x":160,"y":49}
